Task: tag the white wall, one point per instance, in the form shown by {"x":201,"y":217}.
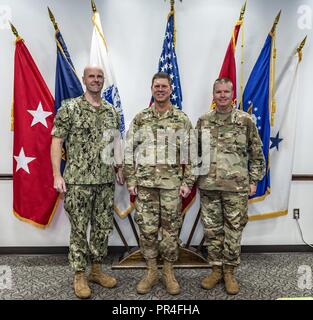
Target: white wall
{"x":134,"y":31}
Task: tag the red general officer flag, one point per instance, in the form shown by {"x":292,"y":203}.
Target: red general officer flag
{"x":228,"y":69}
{"x":34,"y":199}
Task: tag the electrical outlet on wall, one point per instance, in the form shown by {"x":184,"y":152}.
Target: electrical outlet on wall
{"x":296,"y":213}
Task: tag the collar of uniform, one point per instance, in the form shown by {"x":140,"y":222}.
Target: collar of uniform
{"x":162,"y":115}
{"x":88,"y":106}
{"x":216,"y":119}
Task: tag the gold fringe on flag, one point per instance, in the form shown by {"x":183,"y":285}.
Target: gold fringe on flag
{"x":273,"y":69}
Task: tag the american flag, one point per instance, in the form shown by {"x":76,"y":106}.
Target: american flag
{"x":168,"y":61}
{"x":168,"y":64}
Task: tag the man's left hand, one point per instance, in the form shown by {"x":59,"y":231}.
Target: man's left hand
{"x":252,"y":189}
{"x":184,"y":191}
{"x":119,"y":176}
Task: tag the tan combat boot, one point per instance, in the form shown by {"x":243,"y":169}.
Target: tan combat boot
{"x":81,"y":287}
{"x":150,"y":278}
{"x":231,"y":284}
{"x":169,"y":280}
{"x":213,"y":278}
{"x":96,"y":275}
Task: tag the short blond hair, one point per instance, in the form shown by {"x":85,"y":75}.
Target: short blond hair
{"x":221,"y":81}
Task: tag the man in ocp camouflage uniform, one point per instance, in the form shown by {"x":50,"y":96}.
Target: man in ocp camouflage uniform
{"x":89,"y":127}
{"x":236,"y":165}
{"x":157,"y":171}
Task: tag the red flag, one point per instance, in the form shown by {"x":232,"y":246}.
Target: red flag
{"x":34,"y":198}
{"x":228,"y":69}
{"x":188,"y":201}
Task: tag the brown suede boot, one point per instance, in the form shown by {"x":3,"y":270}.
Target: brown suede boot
{"x":96,"y":275}
{"x":81,"y":287}
{"x":213,"y":278}
{"x":150,"y":278}
{"x":231,"y":284}
{"x":169,"y":280}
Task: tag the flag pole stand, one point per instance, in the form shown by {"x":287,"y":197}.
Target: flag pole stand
{"x":188,"y":258}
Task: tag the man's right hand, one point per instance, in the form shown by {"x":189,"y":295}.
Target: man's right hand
{"x":59,"y":184}
{"x":132,"y":191}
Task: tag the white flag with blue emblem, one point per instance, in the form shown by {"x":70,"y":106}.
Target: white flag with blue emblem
{"x":282,"y":143}
{"x":99,"y":56}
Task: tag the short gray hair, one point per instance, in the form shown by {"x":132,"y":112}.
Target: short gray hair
{"x":221,"y":81}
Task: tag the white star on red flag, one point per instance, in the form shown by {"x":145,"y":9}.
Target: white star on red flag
{"x":39,"y":115}
{"x":22,"y":161}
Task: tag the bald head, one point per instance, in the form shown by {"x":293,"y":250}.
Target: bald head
{"x":93,"y":79}
{"x":92,"y":67}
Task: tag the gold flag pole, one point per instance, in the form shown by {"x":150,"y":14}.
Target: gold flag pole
{"x":299,"y":49}
{"x":15,"y":31}
{"x":56,"y":28}
{"x":172,"y":5}
{"x":172,"y":11}
{"x":275,"y":23}
{"x":242,"y":11}
{"x":12,"y":107}
{"x":94,"y":18}
{"x":273,"y":68}
{"x":93,"y":6}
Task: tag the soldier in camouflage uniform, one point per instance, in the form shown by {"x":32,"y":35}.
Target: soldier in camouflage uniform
{"x":86,"y":124}
{"x":154,"y":173}
{"x":236,"y":165}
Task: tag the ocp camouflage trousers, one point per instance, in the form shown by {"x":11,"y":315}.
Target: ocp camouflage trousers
{"x":224,"y":215}
{"x":158,"y":209}
{"x":84,"y":204}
